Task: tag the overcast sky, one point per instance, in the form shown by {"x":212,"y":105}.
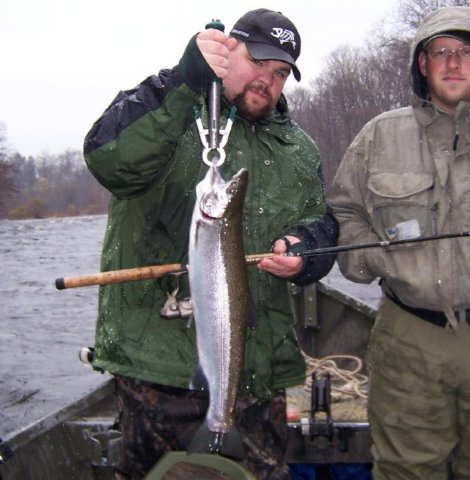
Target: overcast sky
{"x":63,"y":61}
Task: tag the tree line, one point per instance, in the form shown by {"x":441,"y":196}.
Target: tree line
{"x":48,"y":186}
{"x":356,"y":84}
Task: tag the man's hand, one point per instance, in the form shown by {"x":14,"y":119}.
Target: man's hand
{"x":280,"y":265}
{"x":215,"y":47}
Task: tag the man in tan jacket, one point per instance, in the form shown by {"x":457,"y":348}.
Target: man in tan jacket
{"x":407,"y":175}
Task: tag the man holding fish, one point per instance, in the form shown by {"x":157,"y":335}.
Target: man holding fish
{"x":167,"y":203}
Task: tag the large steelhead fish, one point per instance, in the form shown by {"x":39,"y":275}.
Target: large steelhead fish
{"x":218,"y":282}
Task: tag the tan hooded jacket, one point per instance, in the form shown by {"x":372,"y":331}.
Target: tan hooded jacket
{"x":407,"y":174}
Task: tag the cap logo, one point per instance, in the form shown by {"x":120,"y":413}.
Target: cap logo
{"x":284,"y":36}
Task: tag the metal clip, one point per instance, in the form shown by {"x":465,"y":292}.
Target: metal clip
{"x":209,"y":153}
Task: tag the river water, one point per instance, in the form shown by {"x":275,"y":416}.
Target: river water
{"x":42,"y":329}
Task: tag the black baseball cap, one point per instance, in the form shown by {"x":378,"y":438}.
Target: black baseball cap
{"x":269,"y":35}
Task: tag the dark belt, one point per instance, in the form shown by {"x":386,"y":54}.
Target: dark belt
{"x":432,"y":316}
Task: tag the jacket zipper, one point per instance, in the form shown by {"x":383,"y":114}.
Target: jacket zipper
{"x":456,"y":140}
{"x":434,"y":219}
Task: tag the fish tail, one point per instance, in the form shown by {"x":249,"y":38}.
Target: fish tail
{"x":228,"y":444}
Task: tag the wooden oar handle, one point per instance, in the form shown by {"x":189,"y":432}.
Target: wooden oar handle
{"x":119,"y":276}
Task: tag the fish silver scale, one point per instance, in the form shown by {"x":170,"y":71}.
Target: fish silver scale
{"x":219,"y":290}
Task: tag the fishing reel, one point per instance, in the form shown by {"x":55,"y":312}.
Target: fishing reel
{"x":176,"y":308}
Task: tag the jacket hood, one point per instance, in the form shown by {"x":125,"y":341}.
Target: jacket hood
{"x":446,"y":19}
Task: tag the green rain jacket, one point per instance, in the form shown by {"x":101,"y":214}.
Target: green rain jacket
{"x":146,"y":150}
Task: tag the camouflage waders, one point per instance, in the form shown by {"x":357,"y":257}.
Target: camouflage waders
{"x":155,"y":419}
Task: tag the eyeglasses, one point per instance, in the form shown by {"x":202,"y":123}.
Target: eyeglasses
{"x":444,"y":53}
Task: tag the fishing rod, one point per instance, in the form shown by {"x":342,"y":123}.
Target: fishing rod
{"x":135,"y":274}
{"x":382,"y":243}
{"x":158,"y":271}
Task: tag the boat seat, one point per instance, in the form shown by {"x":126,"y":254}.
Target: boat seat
{"x":197,"y":466}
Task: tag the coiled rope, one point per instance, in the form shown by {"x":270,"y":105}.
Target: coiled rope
{"x":345,"y":382}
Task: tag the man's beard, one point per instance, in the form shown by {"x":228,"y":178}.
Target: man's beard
{"x":246,"y":110}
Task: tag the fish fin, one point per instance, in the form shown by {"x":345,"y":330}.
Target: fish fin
{"x":199,"y":380}
{"x":227,"y":444}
